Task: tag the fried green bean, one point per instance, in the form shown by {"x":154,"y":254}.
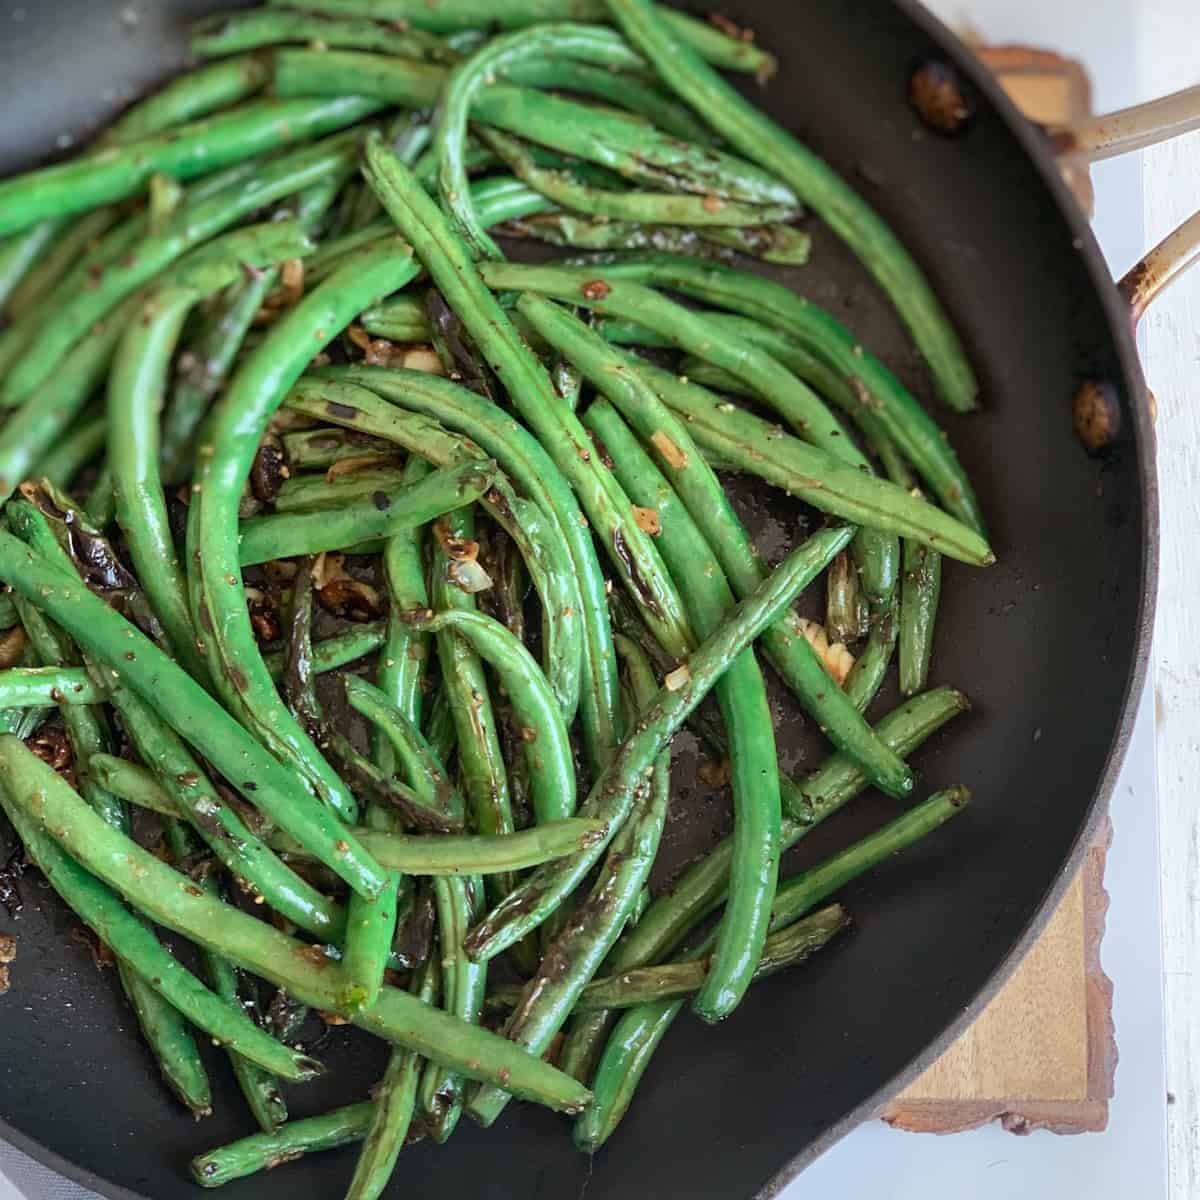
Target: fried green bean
{"x":24,"y":798}
{"x":630,"y":549}
{"x":135,"y":389}
{"x":547,"y":746}
{"x":630,"y":147}
{"x":74,"y":452}
{"x":746,"y":713}
{"x":752,"y":132}
{"x":349,"y":398}
{"x":588,"y":43}
{"x":19,"y":253}
{"x":103,"y":634}
{"x":764,"y":450}
{"x":652,"y":208}
{"x":322,"y":448}
{"x":237,"y":425}
{"x":289,"y":535}
{"x":461,"y":16}
{"x":317,"y":493}
{"x":32,"y":687}
{"x":263,"y":1151}
{"x":401,"y":319}
{"x":174,"y":902}
{"x":789,"y":947}
{"x":232,"y":33}
{"x":867,"y":675}
{"x":676,"y":454}
{"x":613,"y":793}
{"x":193,"y":224}
{"x":194,"y":149}
{"x":578,"y":949}
{"x":639,"y":1031}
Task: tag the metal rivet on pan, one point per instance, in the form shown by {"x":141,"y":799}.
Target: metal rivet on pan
{"x":1096,"y":412}
{"x":937,"y":94}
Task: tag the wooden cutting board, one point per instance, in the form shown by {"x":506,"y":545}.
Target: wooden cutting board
{"x":1043,"y":1054}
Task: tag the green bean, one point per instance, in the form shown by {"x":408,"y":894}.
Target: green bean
{"x":845,"y":606}
{"x":622,"y":89}
{"x":196,"y":221}
{"x":74,"y":241}
{"x":532,"y":392}
{"x":613,"y":793}
{"x":653,"y":208}
{"x":24,"y":797}
{"x":752,"y":132}
{"x":317,"y":493}
{"x":74,"y":452}
{"x":706,"y":502}
{"x":401,"y":319}
{"x":576,"y":953}
{"x":764,"y":450}
{"x":101,"y":505}
{"x":192,"y":95}
{"x":259,"y":1088}
{"x":19,"y":254}
{"x":32,"y":687}
{"x":327,"y":447}
{"x":171,"y":900}
{"x":440,"y":732}
{"x":396,"y":1099}
{"x":336,"y":396}
{"x":263,"y":1151}
{"x":547,"y":747}
{"x":238,"y":423}
{"x":135,"y":390}
{"x":194,"y":149}
{"x":230,"y":33}
{"x":203,"y":368}
{"x":789,"y":947}
{"x":104,"y":635}
{"x":867,"y":675}
{"x":630,"y":549}
{"x":746,"y":712}
{"x":629,"y":147}
{"x":289,"y":535}
{"x":585,"y":42}
{"x":719,"y":48}
{"x":780,"y":244}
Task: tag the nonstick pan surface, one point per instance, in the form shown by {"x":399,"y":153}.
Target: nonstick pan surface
{"x":1050,"y":644}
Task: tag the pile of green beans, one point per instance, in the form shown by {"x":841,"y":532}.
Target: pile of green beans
{"x":298,"y":459}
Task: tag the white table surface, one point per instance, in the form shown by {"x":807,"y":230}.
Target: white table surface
{"x":1134,"y":49}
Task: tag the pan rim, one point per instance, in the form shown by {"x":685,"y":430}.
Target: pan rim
{"x":1121,"y":328}
{"x":1037,"y":150}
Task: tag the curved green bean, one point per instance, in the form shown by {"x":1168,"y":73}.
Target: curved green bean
{"x":194,"y":149}
{"x":676,"y":454}
{"x":867,"y":675}
{"x":547,"y":746}
{"x":237,"y":425}
{"x":753,"y":133}
{"x":588,"y":43}
{"x":746,"y":712}
{"x":135,"y":389}
{"x":613,"y":793}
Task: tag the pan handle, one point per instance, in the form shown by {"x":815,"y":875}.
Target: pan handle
{"x":1096,"y":138}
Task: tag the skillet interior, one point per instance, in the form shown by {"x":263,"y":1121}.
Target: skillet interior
{"x":1048,"y":644}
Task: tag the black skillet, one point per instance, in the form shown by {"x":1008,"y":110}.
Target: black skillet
{"x":1051,"y":644}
